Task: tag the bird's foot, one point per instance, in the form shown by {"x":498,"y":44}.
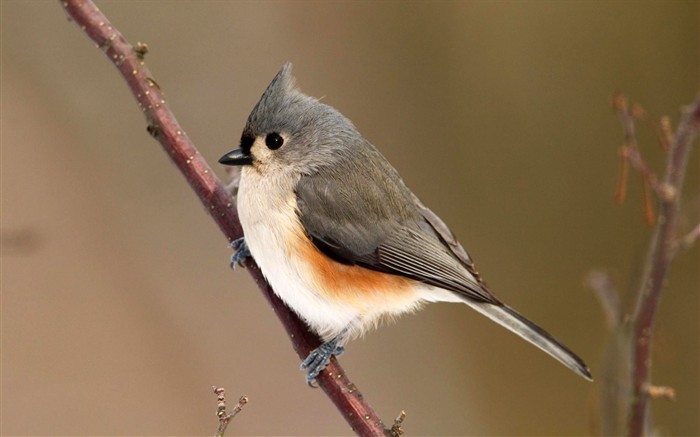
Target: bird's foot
{"x":241,"y":252}
{"x":319,"y":358}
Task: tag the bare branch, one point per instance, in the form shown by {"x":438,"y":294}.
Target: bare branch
{"x":658,"y":259}
{"x":216,"y":198}
{"x":226,"y":418}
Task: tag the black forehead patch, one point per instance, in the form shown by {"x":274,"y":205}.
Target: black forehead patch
{"x":247,"y":142}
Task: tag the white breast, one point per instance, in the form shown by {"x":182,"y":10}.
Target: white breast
{"x":267,"y":210}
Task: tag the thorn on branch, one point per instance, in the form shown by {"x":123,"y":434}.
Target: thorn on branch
{"x":153,"y":130}
{"x":225,"y":419}
{"x":687,"y":241}
{"x":141,"y":49}
{"x":396,"y":429}
{"x":661,"y":392}
{"x":153,"y":84}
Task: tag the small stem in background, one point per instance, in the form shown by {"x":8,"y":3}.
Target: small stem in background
{"x":622,"y":175}
{"x":224,"y":417}
{"x":600,"y":282}
{"x":660,"y":252}
{"x":648,"y":202}
{"x":687,"y":241}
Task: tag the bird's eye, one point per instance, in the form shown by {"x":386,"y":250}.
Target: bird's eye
{"x":274,"y":141}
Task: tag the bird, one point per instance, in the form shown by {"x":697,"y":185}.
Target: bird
{"x":340,"y":237}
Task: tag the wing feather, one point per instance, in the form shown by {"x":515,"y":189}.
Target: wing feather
{"x":378,"y":226}
{"x":384,"y":227}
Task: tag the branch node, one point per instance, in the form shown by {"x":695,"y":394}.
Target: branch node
{"x":224,"y":418}
{"x":396,"y":430}
{"x":667,"y":192}
{"x":141,"y":49}
{"x":153,"y":130}
{"x":153,"y":84}
{"x":687,"y":241}
{"x":107,"y":43}
{"x":661,"y":392}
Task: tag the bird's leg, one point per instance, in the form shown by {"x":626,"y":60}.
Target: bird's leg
{"x":319,"y":358}
{"x":241,"y":252}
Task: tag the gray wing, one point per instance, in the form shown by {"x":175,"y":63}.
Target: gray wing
{"x":383,"y":226}
{"x":377,"y":225}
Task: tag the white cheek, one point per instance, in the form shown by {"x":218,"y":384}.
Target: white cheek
{"x":260,"y":151}
{"x":263,"y":154}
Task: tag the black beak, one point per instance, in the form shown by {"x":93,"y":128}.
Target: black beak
{"x":236,"y":157}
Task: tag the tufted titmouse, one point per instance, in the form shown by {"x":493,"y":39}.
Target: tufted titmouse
{"x":341,"y":239}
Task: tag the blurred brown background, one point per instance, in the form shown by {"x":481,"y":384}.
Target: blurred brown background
{"x":119,"y":310}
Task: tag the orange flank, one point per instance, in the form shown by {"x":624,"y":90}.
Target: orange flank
{"x":352,"y":284}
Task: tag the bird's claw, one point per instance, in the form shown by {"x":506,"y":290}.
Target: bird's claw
{"x":241,"y":252}
{"x":318,"y":359}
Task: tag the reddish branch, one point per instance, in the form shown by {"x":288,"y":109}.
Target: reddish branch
{"x":659,"y":256}
{"x":216,"y":199}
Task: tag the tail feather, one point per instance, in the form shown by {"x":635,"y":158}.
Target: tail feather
{"x":515,"y":322}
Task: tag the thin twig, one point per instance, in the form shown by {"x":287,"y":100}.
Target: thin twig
{"x":224,"y":417}
{"x":658,"y":259}
{"x":630,"y":150}
{"x":687,"y":241}
{"x":217,"y":200}
{"x":662,"y":392}
{"x":397,"y":428}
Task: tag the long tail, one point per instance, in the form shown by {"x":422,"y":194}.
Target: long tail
{"x":515,"y":322}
